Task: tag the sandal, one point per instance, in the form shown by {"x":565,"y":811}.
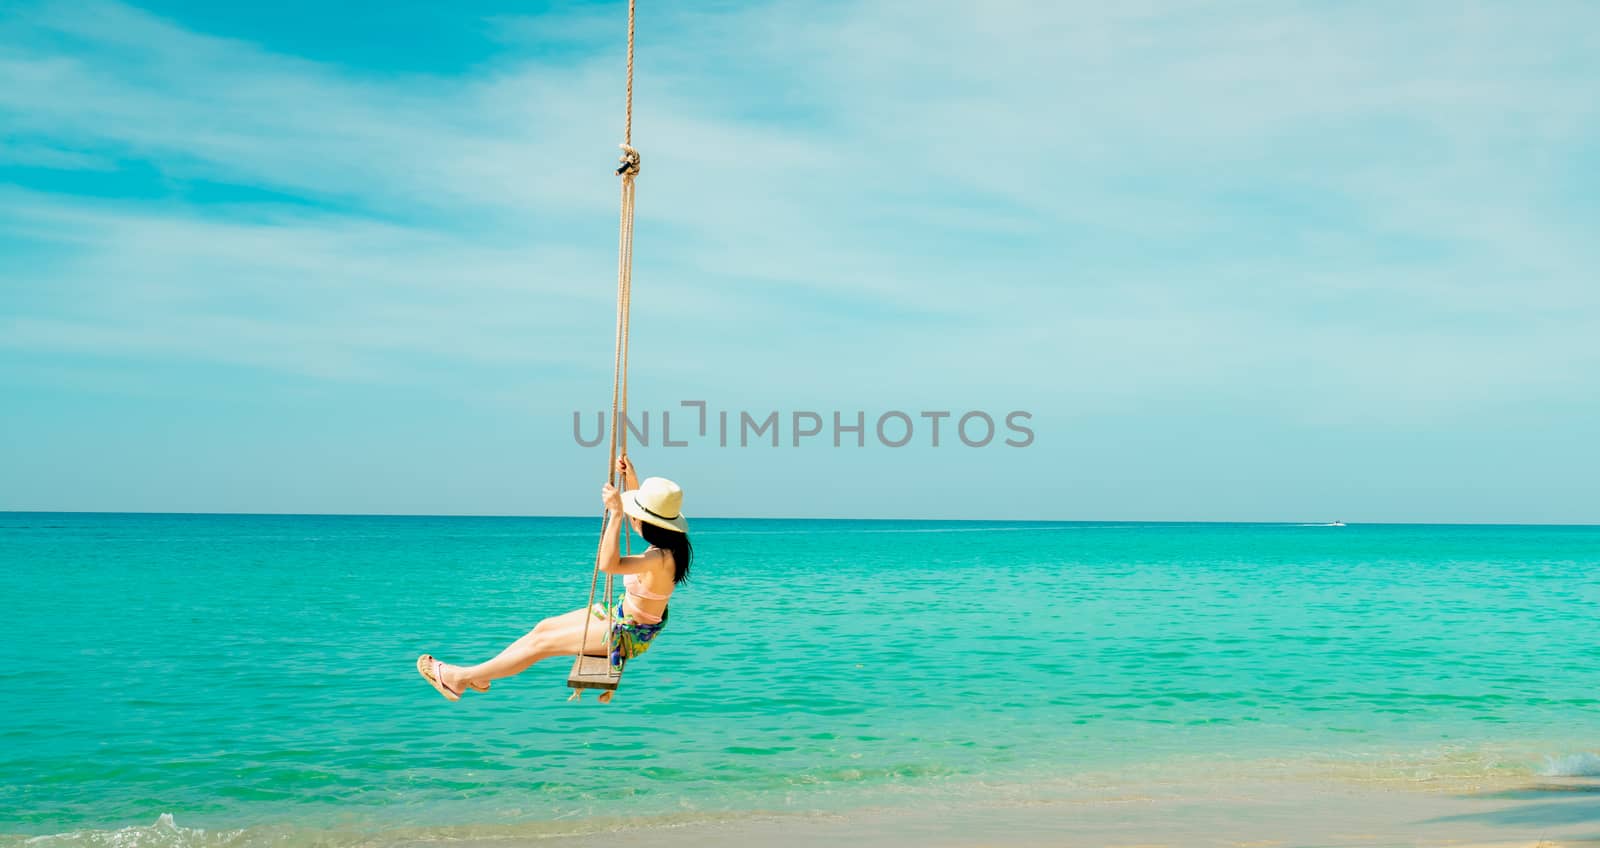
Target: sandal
{"x":429,"y":667}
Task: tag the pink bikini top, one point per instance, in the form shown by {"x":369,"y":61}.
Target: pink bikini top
{"x":632,"y":585}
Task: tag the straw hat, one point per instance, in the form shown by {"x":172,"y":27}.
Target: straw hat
{"x":657,"y":501}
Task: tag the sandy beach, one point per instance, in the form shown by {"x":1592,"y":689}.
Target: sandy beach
{"x":1262,"y":814}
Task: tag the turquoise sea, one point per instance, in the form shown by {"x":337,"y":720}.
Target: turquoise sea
{"x":253,"y":675}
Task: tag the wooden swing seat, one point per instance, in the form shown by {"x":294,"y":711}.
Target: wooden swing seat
{"x":594,"y":673}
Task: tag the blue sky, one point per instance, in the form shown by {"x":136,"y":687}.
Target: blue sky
{"x":1241,"y":261}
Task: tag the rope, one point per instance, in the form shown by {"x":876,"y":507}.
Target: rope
{"x":619,"y":373}
{"x":627,"y":126}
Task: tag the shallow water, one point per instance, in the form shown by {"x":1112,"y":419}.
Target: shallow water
{"x":256,"y":672}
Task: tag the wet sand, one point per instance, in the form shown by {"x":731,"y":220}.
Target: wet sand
{"x":1241,"y":815}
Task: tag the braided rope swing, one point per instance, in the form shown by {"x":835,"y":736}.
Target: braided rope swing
{"x":597,"y":672}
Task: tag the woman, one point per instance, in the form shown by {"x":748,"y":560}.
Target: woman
{"x":655,"y":510}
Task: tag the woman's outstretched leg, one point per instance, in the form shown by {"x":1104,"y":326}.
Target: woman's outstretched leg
{"x":560,"y":635}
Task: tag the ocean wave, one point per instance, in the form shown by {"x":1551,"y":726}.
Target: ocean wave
{"x":167,"y":833}
{"x":1582,"y":764}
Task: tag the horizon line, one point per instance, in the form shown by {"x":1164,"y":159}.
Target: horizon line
{"x":802,"y":518}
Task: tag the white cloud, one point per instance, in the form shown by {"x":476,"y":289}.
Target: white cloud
{"x":32,"y":154}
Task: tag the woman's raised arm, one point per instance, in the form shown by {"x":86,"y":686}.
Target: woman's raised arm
{"x":611,"y":559}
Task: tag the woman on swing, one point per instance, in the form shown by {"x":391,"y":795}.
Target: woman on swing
{"x":654,"y":510}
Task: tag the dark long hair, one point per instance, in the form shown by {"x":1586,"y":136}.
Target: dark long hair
{"x":674,"y":542}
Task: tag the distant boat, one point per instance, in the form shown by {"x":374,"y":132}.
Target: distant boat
{"x":1337,"y":524}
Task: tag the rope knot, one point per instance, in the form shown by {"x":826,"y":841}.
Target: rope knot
{"x":629,"y":160}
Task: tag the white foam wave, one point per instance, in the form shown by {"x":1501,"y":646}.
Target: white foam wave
{"x":1582,"y":764}
{"x":165,"y":833}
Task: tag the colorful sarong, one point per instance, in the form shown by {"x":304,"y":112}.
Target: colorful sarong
{"x":629,"y":638}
